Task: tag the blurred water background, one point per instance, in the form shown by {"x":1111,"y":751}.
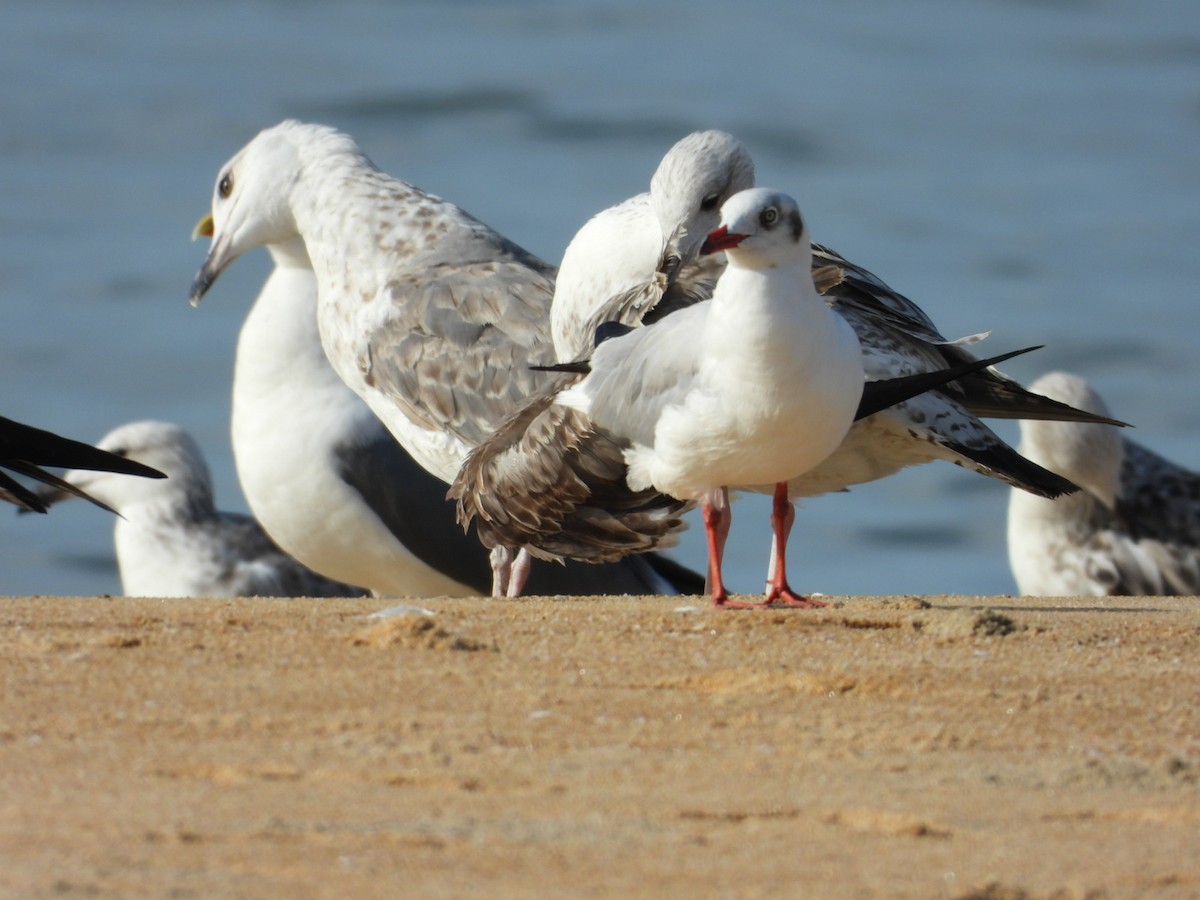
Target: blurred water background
{"x":1032,"y":168}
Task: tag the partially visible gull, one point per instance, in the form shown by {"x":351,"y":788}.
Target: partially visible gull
{"x":334,"y":489}
{"x":639,"y":260}
{"x":635,"y":262}
{"x":25,"y":449}
{"x":170,"y":539}
{"x":750,"y":388}
{"x":1133,"y":529}
{"x":428,"y":315}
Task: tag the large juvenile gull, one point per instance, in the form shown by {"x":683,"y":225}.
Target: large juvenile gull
{"x":630,"y":261}
{"x":1133,"y":529}
{"x":749,"y":388}
{"x":334,"y":489}
{"x":170,"y":539}
{"x":25,"y":449}
{"x":430,"y":316}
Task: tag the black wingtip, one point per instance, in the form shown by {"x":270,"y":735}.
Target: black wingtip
{"x":879,"y":395}
{"x":578,"y":368}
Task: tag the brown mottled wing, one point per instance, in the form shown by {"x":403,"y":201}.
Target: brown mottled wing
{"x":1159,"y":502}
{"x":887,"y":322}
{"x":552,"y":482}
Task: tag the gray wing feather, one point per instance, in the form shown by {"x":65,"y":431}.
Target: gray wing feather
{"x":462,"y":339}
{"x":638,"y":375}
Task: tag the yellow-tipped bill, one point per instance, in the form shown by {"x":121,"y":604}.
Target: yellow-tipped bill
{"x":204,"y":228}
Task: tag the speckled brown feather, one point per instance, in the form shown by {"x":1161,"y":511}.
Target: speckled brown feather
{"x":550,"y":481}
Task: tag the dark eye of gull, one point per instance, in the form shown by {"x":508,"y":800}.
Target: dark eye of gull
{"x":709,"y":203}
{"x":225,"y":188}
{"x":768,"y":217}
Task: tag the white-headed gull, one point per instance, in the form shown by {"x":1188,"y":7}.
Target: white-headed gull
{"x":334,"y":489}
{"x":1133,"y":529}
{"x":25,"y":449}
{"x":170,"y":539}
{"x":427,"y":314}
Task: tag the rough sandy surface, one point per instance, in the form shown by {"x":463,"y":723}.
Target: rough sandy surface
{"x":885,"y":747}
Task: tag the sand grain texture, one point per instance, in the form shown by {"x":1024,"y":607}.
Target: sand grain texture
{"x":901,"y":747}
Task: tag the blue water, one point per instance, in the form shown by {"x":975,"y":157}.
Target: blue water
{"x":1032,"y":168}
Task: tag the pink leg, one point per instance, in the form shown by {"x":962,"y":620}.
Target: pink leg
{"x":782,"y":516}
{"x":519,"y":573}
{"x":502,"y":560}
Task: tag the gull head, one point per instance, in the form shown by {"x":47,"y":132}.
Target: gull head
{"x":692,"y":182}
{"x":1088,"y":453}
{"x":761,"y":228}
{"x":162,"y":445}
{"x":251,"y":203}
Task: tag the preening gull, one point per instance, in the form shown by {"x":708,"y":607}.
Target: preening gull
{"x":25,"y":449}
{"x":1133,"y":529}
{"x":170,"y":539}
{"x":750,"y":388}
{"x":334,"y":489}
{"x":427,"y":314}
{"x":630,"y":260}
{"x":635,"y":262}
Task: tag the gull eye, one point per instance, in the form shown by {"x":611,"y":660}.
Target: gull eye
{"x":769,"y":216}
{"x":709,"y":203}
{"x":225,"y":187}
{"x":119,"y":451}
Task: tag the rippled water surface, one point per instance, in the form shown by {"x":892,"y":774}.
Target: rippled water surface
{"x":1025,"y":167}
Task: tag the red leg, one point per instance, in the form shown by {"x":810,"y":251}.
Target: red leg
{"x":782,"y":516}
{"x":716,"y":529}
{"x":717,"y":519}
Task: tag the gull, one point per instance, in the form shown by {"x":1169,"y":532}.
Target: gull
{"x":639,"y":260}
{"x":334,"y":489}
{"x":750,"y":388}
{"x":25,"y":449}
{"x":430,"y":316}
{"x":623,"y":266}
{"x":1133,"y":529}
{"x":635,"y":262}
{"x":170,"y":539}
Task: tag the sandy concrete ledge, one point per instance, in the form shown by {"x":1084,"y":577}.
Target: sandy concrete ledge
{"x":955,"y":747}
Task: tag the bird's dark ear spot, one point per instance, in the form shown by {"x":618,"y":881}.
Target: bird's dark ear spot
{"x":797,"y":224}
